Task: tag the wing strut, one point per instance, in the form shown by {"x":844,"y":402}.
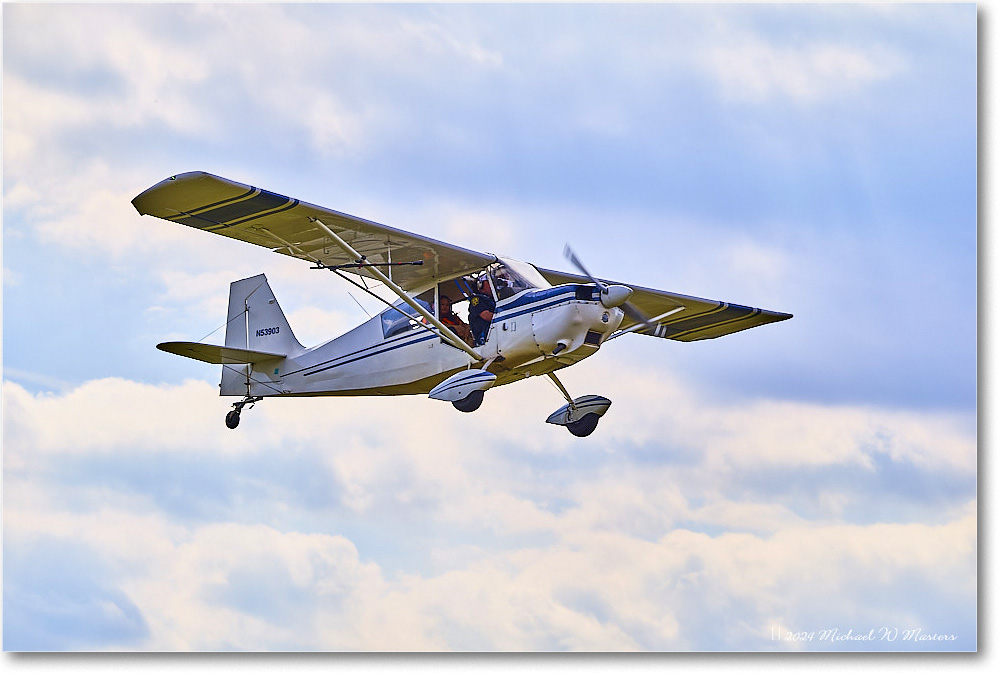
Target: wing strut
{"x":446,"y":332}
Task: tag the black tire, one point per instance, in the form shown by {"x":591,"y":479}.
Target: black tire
{"x":232,"y":419}
{"x":585,"y":425}
{"x":470,"y":403}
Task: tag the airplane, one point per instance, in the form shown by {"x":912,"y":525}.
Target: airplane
{"x":522,"y":320}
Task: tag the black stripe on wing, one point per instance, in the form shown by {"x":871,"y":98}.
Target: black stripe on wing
{"x":687,"y":328}
{"x":234,"y":211}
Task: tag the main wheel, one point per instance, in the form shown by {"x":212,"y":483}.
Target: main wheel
{"x":232,"y":419}
{"x":471,"y":402}
{"x":585,"y":425}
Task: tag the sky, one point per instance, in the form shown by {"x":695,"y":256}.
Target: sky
{"x":796,"y":487}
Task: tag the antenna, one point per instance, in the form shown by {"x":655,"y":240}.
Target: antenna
{"x":359,"y":304}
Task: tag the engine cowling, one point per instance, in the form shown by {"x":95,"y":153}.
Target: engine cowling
{"x":565,"y":328}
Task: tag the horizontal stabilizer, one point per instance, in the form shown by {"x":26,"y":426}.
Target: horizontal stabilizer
{"x":216,"y":353}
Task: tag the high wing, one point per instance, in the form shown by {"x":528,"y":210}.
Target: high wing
{"x":681,"y":317}
{"x":282,"y":224}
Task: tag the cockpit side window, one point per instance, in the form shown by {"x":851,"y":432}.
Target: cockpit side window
{"x":395,"y":322}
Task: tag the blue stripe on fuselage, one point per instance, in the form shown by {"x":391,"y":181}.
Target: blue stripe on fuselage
{"x":526,"y":303}
{"x":358,"y":355}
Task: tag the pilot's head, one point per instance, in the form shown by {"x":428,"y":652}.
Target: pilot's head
{"x":445,"y":304}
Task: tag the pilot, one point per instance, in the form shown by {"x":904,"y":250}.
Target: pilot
{"x":450,"y":319}
{"x":481,"y":309}
{"x":505,"y":287}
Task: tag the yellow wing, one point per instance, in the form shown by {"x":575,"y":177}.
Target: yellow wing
{"x":282,"y":224}
{"x":681,"y":317}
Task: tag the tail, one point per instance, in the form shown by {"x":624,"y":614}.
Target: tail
{"x":255,"y":320}
{"x":255,"y":323}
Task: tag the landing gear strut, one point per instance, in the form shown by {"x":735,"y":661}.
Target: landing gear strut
{"x":233,"y":416}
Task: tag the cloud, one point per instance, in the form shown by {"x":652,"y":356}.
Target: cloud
{"x":233,"y":586}
{"x":64,"y":598}
{"x":818,"y":473}
{"x":278,"y":536}
{"x":125,"y":74}
{"x":757,"y":72}
{"x":490,"y":230}
{"x":160,"y":66}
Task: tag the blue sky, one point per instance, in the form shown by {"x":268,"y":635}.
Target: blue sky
{"x":814,"y":474}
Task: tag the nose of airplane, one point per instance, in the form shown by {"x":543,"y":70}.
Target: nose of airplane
{"x":615,"y":295}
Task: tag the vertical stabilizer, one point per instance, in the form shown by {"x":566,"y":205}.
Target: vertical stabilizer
{"x":255,"y":322}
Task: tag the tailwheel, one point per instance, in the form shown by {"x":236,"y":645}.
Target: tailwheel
{"x":470,"y":403}
{"x":233,"y":416}
{"x":585,"y":425}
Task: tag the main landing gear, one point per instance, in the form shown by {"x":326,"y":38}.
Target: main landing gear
{"x":233,"y":416}
{"x":471,"y":402}
{"x":579,"y":415}
{"x":585,"y":425}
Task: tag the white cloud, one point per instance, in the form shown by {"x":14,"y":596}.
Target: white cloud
{"x":313,"y":326}
{"x":138,"y":74}
{"x":10,"y":277}
{"x":89,"y":211}
{"x":488,"y":229}
{"x":151,"y":78}
{"x":112,"y":415}
{"x":448,"y":42}
{"x":249,"y":585}
{"x":750,"y":69}
{"x":229,"y":585}
{"x":500,"y":553}
{"x":763,"y":268}
{"x":655,"y":407}
{"x":397,"y":523}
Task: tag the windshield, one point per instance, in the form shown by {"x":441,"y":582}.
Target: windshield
{"x":510,"y":277}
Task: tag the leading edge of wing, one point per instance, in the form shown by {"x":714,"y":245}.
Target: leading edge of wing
{"x":700,"y":318}
{"x":208,"y":202}
{"x":216,"y":354}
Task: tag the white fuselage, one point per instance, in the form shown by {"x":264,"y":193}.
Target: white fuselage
{"x":526,"y":329}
